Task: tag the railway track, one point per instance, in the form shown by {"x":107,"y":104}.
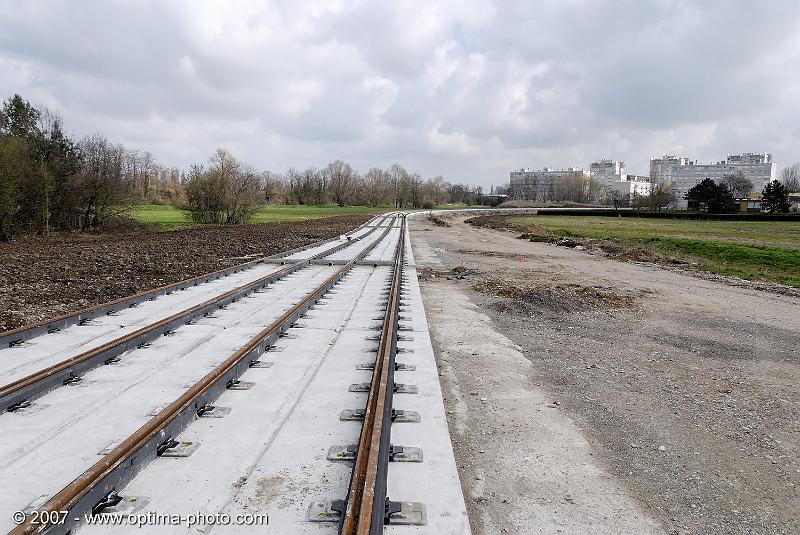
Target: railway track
{"x":19,"y":335}
{"x":21,"y":391}
{"x":253,"y":388}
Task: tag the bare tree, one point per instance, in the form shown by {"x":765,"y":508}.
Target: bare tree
{"x":378,"y":184}
{"x":224,"y":192}
{"x":434,"y":192}
{"x":340,"y":182}
{"x":242,"y":195}
{"x":397,"y":177}
{"x":312,"y":185}
{"x":273,"y":185}
{"x":738,"y":184}
{"x":661,"y":196}
{"x":294,"y":181}
{"x":618,"y":200}
{"x":205,"y":193}
{"x":100,"y":180}
{"x":790,"y":176}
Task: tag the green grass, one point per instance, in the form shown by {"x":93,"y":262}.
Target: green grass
{"x":266,"y":214}
{"x":167,"y":217}
{"x":170,"y":217}
{"x":753,"y":250}
{"x":459,"y":206}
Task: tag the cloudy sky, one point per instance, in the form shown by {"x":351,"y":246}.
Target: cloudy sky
{"x":465,"y":89}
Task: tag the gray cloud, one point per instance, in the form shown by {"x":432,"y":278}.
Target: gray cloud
{"x":467,"y":89}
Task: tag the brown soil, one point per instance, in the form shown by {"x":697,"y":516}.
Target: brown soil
{"x":44,"y":277}
{"x":556,"y":298}
{"x":438,"y":220}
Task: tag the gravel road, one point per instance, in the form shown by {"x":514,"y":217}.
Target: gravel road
{"x":647,"y":400}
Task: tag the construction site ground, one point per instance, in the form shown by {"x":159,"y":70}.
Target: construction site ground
{"x":46,"y":276}
{"x":589,"y":395}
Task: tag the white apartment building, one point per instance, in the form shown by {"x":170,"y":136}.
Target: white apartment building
{"x":633,"y":185}
{"x":683,"y":174}
{"x":607,"y":172}
{"x":540,"y":184}
{"x":661,"y":168}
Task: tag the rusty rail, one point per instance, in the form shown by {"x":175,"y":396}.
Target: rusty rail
{"x":119,"y":466}
{"x":33,"y":330}
{"x":365,"y":507}
{"x":23,"y":390}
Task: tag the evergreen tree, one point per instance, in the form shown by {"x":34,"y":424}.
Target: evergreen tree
{"x":711,"y":197}
{"x":776,"y":198}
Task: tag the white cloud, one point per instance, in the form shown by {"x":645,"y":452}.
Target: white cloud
{"x":464,"y":88}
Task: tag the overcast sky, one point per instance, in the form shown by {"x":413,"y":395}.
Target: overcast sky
{"x":465,"y":89}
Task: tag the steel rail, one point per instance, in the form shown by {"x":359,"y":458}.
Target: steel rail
{"x":118,"y":467}
{"x":25,"y":389}
{"x":365,"y":507}
{"x":26,"y":332}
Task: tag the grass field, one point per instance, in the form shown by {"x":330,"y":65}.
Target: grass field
{"x":753,"y":250}
{"x":169,"y":217}
{"x":267,"y":214}
{"x":459,"y":206}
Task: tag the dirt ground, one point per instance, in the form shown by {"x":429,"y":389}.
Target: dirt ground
{"x":588,"y":395}
{"x":44,"y":277}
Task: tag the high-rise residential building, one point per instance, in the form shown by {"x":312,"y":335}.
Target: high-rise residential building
{"x":683,"y":174}
{"x":540,"y":184}
{"x":607,"y":172}
{"x":661,"y":168}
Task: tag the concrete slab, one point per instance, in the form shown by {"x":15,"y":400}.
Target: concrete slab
{"x":47,"y":445}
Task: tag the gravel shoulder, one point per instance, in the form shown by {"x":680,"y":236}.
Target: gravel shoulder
{"x":42,"y":278}
{"x":588,"y":395}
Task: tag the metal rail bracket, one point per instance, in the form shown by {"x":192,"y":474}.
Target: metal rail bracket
{"x":175,"y":448}
{"x":213,"y":411}
{"x":123,"y":505}
{"x":398,"y":367}
{"x":405,"y":454}
{"x":72,"y":380}
{"x":235,"y":384}
{"x":397,"y":454}
{"x":342,"y":453}
{"x":406,"y":514}
{"x":400,"y":388}
{"x":398,"y":416}
{"x":24,"y":404}
{"x":328,"y":511}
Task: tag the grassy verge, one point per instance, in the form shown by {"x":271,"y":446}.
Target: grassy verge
{"x":754,"y":250}
{"x":170,"y":217}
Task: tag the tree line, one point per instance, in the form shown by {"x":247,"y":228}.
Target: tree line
{"x":571,"y":188}
{"x":50,"y":181}
{"x":227,"y":190}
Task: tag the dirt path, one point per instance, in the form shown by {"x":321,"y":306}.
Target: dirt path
{"x":595,"y":396}
{"x":44,"y":277}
